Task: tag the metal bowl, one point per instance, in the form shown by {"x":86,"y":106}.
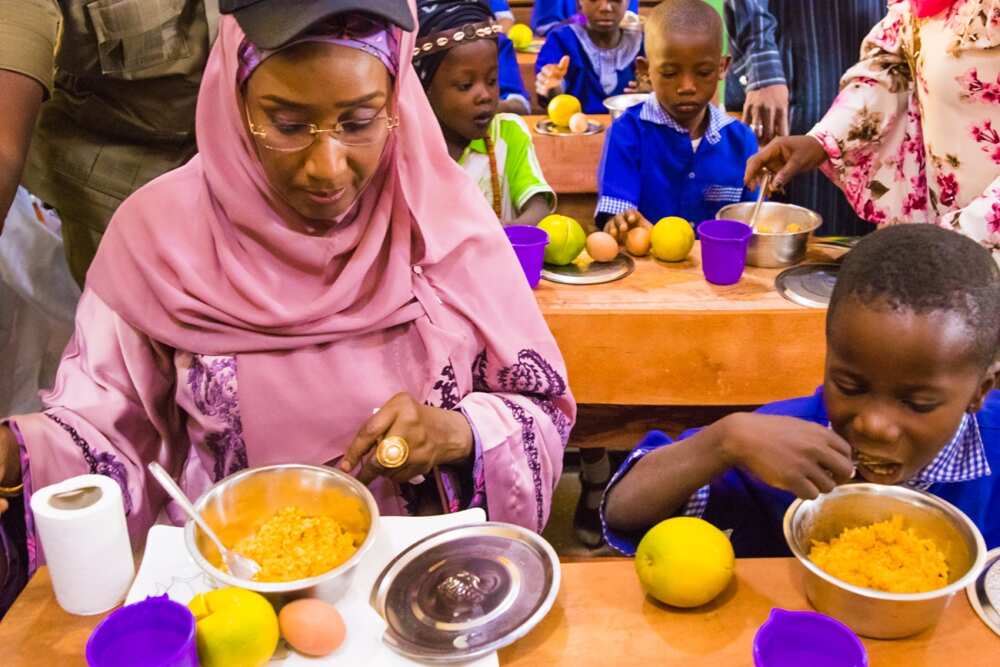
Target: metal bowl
{"x":775,"y":248}
{"x":619,"y":104}
{"x":239,"y":504}
{"x":874,"y":613}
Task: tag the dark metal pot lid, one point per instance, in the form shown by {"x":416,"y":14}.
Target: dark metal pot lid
{"x":984,"y":592}
{"x":466,"y":592}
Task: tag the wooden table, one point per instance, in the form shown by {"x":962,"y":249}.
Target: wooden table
{"x":570,"y":162}
{"x":600,"y":618}
{"x":665,"y":336}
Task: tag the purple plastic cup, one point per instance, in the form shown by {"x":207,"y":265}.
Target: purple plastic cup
{"x":798,"y":638}
{"x":529,"y":245}
{"x":156,"y":632}
{"x":724,"y":246}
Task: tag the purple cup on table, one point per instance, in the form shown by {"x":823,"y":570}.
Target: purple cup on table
{"x":724,"y":245}
{"x":529,"y":245}
{"x":156,"y":632}
{"x":800,"y":638}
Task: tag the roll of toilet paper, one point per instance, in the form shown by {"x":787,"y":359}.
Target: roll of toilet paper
{"x":81,"y":527}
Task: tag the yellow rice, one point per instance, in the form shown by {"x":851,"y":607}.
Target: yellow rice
{"x":293,"y":545}
{"x":883,"y":556}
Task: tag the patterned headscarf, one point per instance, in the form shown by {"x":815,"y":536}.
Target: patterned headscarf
{"x":357,"y":31}
{"x":435,"y":16}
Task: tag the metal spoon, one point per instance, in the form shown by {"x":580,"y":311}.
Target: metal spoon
{"x":764,"y":187}
{"x":238,"y":565}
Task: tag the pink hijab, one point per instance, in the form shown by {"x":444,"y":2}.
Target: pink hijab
{"x":208,"y":259}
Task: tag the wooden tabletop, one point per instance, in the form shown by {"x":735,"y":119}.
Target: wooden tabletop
{"x":600,"y":618}
{"x":665,"y":336}
{"x":570,"y":162}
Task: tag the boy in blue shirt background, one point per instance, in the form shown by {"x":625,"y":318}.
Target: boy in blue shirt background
{"x":676,"y":154}
{"x":549,"y":14}
{"x":913,"y":333}
{"x":592,"y":61}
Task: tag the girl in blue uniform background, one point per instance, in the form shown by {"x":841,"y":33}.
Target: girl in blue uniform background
{"x":549,"y":14}
{"x":591,"y":61}
{"x":913,"y":333}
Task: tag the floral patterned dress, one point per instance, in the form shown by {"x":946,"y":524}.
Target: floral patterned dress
{"x":914,"y":135}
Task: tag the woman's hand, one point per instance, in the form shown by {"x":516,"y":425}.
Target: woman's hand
{"x":10,"y":462}
{"x":620,"y":225}
{"x":787,"y":453}
{"x":435,"y":437}
{"x":549,"y":80}
{"x":785,"y":157}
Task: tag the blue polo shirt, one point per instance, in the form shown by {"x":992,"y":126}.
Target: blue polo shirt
{"x":501,"y":9}
{"x":649,"y":163}
{"x":548,"y":14}
{"x":966,"y":473}
{"x":594,"y":73}
{"x":509,"y":74}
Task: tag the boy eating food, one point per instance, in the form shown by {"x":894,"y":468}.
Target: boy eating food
{"x":676,"y":154}
{"x":913,"y":332}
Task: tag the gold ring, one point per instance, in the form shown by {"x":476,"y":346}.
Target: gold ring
{"x":392,"y":452}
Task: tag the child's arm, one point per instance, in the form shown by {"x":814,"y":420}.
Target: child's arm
{"x":536,"y":208}
{"x":551,"y":67}
{"x":784,"y":452}
{"x":531,"y":195}
{"x":619,"y":177}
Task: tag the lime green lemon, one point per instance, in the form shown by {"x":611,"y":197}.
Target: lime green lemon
{"x":672,"y":239}
{"x":684,"y":562}
{"x":566,"y":239}
{"x":235,"y":628}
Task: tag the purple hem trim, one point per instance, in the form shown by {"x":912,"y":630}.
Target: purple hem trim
{"x":101,"y":463}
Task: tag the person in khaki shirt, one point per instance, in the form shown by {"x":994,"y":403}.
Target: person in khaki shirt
{"x":104,"y":93}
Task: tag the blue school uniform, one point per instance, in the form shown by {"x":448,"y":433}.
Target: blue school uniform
{"x":548,"y":14}
{"x":501,"y":9}
{"x":649,"y":163}
{"x":594,"y":73}
{"x":509,"y":74}
{"x":736,"y":500}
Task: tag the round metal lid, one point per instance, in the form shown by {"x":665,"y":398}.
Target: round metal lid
{"x":808,"y":285}
{"x":465,"y":592}
{"x":590,"y":272}
{"x":984,"y":592}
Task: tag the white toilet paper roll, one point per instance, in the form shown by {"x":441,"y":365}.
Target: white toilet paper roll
{"x":84,"y":537}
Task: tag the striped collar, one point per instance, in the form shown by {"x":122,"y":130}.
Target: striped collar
{"x":961,"y":460}
{"x":653,"y":112}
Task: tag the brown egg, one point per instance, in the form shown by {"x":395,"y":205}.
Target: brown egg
{"x":312,"y":627}
{"x":602,"y":247}
{"x":637,"y":242}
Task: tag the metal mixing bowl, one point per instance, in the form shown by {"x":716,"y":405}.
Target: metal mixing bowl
{"x":619,"y":104}
{"x":239,"y":504}
{"x":776,"y":248}
{"x":869,"y":612}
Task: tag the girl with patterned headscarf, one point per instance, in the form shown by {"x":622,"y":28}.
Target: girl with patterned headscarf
{"x":456,"y":60}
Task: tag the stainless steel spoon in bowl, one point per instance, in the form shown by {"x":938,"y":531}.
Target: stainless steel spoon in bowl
{"x":238,"y":565}
{"x":764,"y":187}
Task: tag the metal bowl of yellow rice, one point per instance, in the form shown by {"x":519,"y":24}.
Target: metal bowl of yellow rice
{"x":921,"y":530}
{"x":307,"y":526}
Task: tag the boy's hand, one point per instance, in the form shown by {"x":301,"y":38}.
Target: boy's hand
{"x":620,"y":225}
{"x":801,"y":457}
{"x":550,"y":78}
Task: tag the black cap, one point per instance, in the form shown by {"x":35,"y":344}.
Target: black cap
{"x":271,"y":23}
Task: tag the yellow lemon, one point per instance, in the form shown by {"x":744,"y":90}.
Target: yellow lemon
{"x":561,"y":109}
{"x":520,"y":35}
{"x":672,"y":239}
{"x":684,"y":562}
{"x":566,"y":239}
{"x":235,"y":628}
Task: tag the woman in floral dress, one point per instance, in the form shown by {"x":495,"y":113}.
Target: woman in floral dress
{"x":914,"y":135}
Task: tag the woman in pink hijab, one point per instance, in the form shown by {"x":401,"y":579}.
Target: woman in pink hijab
{"x":320,"y":259}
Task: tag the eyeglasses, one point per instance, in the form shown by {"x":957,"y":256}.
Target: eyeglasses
{"x":292,"y":137}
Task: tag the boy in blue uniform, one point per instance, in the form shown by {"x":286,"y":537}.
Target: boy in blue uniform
{"x":514,"y":96}
{"x":913,"y":333}
{"x":549,"y":14}
{"x":677,"y":154}
{"x":592,"y":61}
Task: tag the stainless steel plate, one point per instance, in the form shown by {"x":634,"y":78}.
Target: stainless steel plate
{"x":593,"y":273}
{"x":984,"y":592}
{"x":546,"y":126}
{"x":466,"y":592}
{"x":809,"y":285}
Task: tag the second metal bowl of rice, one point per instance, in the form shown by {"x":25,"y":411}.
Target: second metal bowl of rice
{"x":927,"y":518}
{"x":307,"y":526}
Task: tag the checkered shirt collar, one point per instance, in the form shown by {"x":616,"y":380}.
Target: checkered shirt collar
{"x":961,"y":460}
{"x":653,"y":112}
